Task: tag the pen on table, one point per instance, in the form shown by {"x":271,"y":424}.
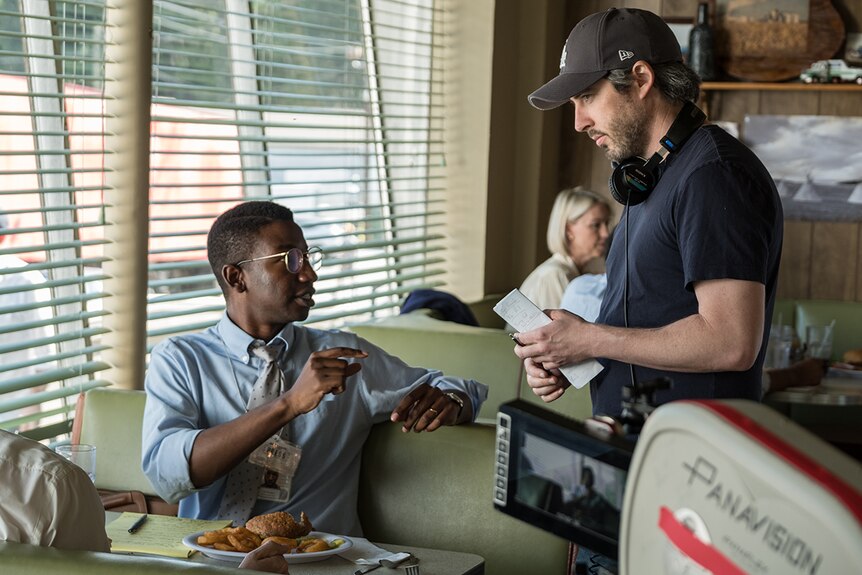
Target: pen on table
{"x":137,"y":524}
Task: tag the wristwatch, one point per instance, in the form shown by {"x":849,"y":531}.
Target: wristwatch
{"x":457,"y":399}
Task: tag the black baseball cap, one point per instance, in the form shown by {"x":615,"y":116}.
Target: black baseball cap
{"x":605,"y":41}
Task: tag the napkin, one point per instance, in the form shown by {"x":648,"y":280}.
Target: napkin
{"x":364,"y":552}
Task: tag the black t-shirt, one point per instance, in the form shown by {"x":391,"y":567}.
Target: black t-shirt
{"x":714,"y":214}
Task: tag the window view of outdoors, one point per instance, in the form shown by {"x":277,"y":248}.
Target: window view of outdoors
{"x":326,"y":106}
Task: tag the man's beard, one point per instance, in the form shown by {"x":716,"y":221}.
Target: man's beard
{"x":628,"y":135}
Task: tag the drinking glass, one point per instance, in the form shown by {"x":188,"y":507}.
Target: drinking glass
{"x":779,"y":346}
{"x":81,"y":454}
{"x":818,"y":341}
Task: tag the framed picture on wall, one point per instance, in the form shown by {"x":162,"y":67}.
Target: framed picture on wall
{"x":815,"y":161}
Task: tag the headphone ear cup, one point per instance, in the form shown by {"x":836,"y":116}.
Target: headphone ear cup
{"x":630,"y":183}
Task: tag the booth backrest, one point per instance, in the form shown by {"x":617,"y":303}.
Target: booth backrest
{"x":434,"y":490}
{"x":847,"y":315}
{"x":111,"y":419}
{"x":424,"y":490}
{"x":478,"y":353}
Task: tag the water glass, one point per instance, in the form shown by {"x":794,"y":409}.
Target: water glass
{"x":818,"y":341}
{"x":779,"y":346}
{"x":81,"y":454}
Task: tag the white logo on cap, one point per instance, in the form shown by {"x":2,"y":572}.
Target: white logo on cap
{"x":563,"y":58}
{"x":625,"y":55}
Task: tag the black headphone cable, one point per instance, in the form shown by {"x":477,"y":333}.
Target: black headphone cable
{"x":626,"y":284}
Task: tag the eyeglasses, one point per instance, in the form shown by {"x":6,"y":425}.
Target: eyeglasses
{"x":294,"y":259}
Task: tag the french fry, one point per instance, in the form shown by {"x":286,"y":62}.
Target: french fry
{"x":315,"y":545}
{"x":243,"y":540}
{"x":212,"y":537}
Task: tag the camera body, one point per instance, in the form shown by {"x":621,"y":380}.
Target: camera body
{"x":562,"y":475}
{"x":710,"y":486}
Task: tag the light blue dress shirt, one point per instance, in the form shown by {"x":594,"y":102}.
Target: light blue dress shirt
{"x":583,"y":295}
{"x":201,"y":380}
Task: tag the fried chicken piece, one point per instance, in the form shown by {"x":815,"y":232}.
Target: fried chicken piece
{"x":279,"y":524}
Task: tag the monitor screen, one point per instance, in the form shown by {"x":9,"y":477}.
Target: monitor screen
{"x":557,"y":474}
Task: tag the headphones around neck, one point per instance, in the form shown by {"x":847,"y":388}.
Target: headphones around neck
{"x":634,"y":178}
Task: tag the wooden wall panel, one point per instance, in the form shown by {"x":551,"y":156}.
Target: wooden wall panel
{"x":859,"y":264}
{"x":841,"y":103}
{"x":731,"y":106}
{"x":679,"y":9}
{"x":794,"y":278}
{"x":789,"y":103}
{"x":835,"y":256}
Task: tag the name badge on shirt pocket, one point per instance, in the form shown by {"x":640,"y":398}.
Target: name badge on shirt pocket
{"x":279,"y":460}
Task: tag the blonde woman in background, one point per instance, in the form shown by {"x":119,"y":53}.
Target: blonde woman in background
{"x":577,"y":234}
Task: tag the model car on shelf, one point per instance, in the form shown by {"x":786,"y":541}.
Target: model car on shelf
{"x":831,"y":71}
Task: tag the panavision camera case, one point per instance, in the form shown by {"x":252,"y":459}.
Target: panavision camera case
{"x":732,"y":487}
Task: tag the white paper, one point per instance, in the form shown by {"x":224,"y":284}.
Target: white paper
{"x":363,"y":552}
{"x":524,"y":315}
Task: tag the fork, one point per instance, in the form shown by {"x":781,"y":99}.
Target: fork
{"x":409,"y":560}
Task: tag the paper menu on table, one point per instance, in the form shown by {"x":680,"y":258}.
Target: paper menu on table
{"x":159,"y":535}
{"x":524,"y":315}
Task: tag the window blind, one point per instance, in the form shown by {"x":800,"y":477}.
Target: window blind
{"x":52,"y":228}
{"x":325,"y":106}
{"x":330,"y":107}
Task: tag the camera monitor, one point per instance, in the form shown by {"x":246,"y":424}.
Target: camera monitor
{"x":560,"y":475}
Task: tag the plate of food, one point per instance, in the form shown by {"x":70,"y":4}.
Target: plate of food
{"x":316,"y":546}
{"x":233,"y":543}
{"x":839,"y":369}
{"x":850,"y":366}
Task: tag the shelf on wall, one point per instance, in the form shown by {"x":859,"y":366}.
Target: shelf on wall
{"x":780,"y":86}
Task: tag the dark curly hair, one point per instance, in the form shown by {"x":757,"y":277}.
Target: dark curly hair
{"x":233,"y":234}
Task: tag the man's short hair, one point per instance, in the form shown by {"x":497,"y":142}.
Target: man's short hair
{"x":676,"y":81}
{"x":234,"y":233}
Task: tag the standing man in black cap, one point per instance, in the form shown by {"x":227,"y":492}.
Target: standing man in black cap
{"x":693,"y":267}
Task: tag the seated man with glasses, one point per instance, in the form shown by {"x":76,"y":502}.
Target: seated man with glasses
{"x":217,"y":398}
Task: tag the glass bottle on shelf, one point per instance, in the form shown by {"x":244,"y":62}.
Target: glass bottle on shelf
{"x":701,"y":58}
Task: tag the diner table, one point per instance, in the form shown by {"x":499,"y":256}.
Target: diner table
{"x":431,"y":561}
{"x":831,"y":410}
{"x":834,"y":390}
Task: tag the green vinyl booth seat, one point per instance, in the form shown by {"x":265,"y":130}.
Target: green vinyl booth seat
{"x":435,"y":490}
{"x":484,"y":354}
{"x":99,"y":414}
{"x":801,"y":313}
{"x":479,"y":353}
{"x":420,"y":489}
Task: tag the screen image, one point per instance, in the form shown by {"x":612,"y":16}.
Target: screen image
{"x":569,"y":485}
